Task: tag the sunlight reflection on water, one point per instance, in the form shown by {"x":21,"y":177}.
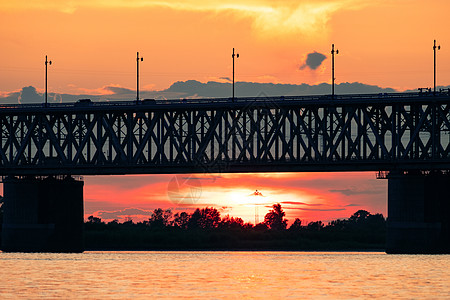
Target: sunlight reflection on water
{"x":224,"y":275}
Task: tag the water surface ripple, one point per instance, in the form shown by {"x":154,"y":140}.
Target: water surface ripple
{"x":224,"y":275}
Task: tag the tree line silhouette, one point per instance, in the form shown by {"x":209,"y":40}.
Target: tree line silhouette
{"x":205,"y":229}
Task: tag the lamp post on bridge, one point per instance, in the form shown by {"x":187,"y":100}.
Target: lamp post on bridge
{"x":137,"y":74}
{"x":237,"y":56}
{"x":47,"y":62}
{"x":332,"y":69}
{"x":434,"y":50}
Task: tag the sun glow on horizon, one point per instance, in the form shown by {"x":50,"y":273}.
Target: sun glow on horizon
{"x":308,"y":196}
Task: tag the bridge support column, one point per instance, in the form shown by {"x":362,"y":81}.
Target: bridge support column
{"x":418,"y":212}
{"x":42,"y":215}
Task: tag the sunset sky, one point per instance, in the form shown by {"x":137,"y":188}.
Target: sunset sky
{"x":93,"y":46}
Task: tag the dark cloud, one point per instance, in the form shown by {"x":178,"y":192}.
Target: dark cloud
{"x":196,"y":89}
{"x":226,"y":79}
{"x":92,"y":207}
{"x":300,"y":203}
{"x":191,"y":88}
{"x":119,"y":90}
{"x":123,"y":213}
{"x":9,"y":98}
{"x":56,"y":98}
{"x":212,"y":178}
{"x":184,"y":208}
{"x":313,"y":60}
{"x":30,"y":95}
{"x":354,"y":191}
{"x":315,"y":209}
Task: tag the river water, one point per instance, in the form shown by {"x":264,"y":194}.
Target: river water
{"x":224,"y":275}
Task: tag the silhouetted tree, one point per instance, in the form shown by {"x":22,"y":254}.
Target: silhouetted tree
{"x":377,"y":219}
{"x":160,"y":218}
{"x":200,"y":230}
{"x":375,"y":222}
{"x":359,"y":216}
{"x":231,"y":223}
{"x":261,"y":226}
{"x":363,"y":220}
{"x":95,"y":223}
{"x":204,"y":218}
{"x":297,"y":225}
{"x":114,"y":223}
{"x":181,"y":220}
{"x":315,"y":226}
{"x":94,"y":220}
{"x":338,"y":224}
{"x":275,"y":218}
{"x":247,"y":226}
{"x":128,"y":222}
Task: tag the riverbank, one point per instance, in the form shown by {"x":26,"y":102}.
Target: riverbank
{"x":232,"y":240}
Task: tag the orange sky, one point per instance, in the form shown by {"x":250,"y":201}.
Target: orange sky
{"x":308,"y":196}
{"x":93,"y":44}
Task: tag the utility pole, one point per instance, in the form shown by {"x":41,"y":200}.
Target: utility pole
{"x":237,"y":56}
{"x":434,"y":50}
{"x":137,"y":75}
{"x":332,"y":69}
{"x":46,"y":63}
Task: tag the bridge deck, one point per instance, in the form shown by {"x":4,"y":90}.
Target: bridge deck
{"x":229,"y":102}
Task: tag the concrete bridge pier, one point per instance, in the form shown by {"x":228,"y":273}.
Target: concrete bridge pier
{"x":42,"y":214}
{"x":418,"y":212}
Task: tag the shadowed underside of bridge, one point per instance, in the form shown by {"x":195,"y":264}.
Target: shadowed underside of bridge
{"x":403,"y":133}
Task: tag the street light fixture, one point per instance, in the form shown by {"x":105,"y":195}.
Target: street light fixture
{"x":434,"y":50}
{"x":47,"y":62}
{"x":332,"y":69}
{"x":237,"y":56}
{"x":138,"y":59}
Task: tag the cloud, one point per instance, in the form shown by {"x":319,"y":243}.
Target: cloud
{"x":119,"y":90}
{"x":315,"y":209}
{"x":313,"y":61}
{"x":211,"y":89}
{"x":268,"y":16}
{"x":10,"y":97}
{"x":124,"y":213}
{"x":6,"y":94}
{"x":30,"y":95}
{"x":300,"y":203}
{"x":213,"y":178}
{"x":356,"y":191}
{"x":190,"y":89}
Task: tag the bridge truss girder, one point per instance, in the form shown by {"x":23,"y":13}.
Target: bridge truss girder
{"x":240,"y":137}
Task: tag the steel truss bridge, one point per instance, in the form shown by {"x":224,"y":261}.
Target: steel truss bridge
{"x":402,"y":131}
